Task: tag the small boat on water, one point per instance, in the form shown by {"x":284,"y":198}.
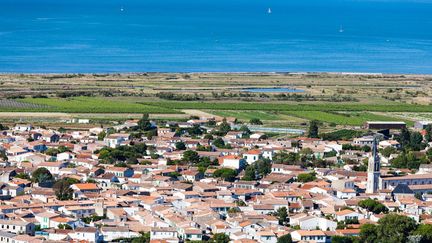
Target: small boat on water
{"x":341,"y":30}
{"x":269,"y":11}
{"x":121,"y":9}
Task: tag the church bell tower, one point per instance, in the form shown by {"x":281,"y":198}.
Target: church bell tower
{"x":373,"y":172}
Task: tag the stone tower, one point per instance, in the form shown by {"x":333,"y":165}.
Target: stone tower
{"x":373,"y":172}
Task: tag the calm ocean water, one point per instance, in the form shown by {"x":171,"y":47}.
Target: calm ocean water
{"x":389,"y":36}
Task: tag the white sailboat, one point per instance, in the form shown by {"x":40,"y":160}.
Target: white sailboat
{"x":269,"y":11}
{"x":341,"y":30}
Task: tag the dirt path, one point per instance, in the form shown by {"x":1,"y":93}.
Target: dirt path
{"x":199,"y":113}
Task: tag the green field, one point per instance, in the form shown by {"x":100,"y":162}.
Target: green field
{"x":112,"y":105}
{"x":352,"y":114}
{"x":393,"y":107}
{"x":85,"y":105}
{"x":338,"y":118}
{"x":352,"y":119}
{"x":247,"y":115}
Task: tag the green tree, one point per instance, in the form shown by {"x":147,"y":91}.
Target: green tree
{"x":101,"y":135}
{"x":286,"y":158}
{"x":313,"y":129}
{"x":2,"y":127}
{"x":342,"y":239}
{"x":22,"y":175}
{"x":240,"y":203}
{"x":3,"y":155}
{"x":224,"y":127}
{"x":373,"y":206}
{"x":208,"y":136}
{"x":180,"y":146}
{"x":62,"y":149}
{"x":255,"y":121}
{"x":407,"y":160}
{"x":245,"y":130}
{"x":64,"y":226}
{"x":62,"y":188}
{"x":190,"y":156}
{"x":225,"y":173}
{"x":220,"y":238}
{"x":285,"y":239}
{"x":249,"y":174}
{"x":52,"y":151}
{"x":92,"y":218}
{"x":306,"y":177}
{"x":144,"y":123}
{"x":404,"y":137}
{"x":425,"y":233}
{"x":234,"y":210}
{"x":257,"y":170}
{"x":416,"y":141}
{"x":219,"y":143}
{"x":195,"y":130}
{"x":282,"y":215}
{"x":144,"y":238}
{"x":428,"y":136}
{"x":368,"y":233}
{"x":429,"y":154}
{"x":387,"y":151}
{"x":394,"y":228}
{"x":42,"y":175}
{"x":204,"y":148}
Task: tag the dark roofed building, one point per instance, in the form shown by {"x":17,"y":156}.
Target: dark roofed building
{"x":402,"y":190}
{"x":382,"y":125}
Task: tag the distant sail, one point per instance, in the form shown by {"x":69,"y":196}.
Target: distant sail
{"x":122,"y":9}
{"x":269,"y":11}
{"x":341,"y":30}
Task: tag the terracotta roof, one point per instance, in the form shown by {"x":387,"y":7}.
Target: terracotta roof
{"x":255,"y":151}
{"x":87,"y":186}
{"x":310,"y":232}
{"x":344,"y":212}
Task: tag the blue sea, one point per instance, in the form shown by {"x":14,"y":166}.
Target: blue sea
{"x":372,"y":36}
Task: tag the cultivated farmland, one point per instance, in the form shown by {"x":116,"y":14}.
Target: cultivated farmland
{"x":93,"y":105}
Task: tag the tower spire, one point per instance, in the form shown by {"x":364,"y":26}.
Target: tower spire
{"x":373,"y":169}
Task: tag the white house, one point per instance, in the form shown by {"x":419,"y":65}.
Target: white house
{"x":266,"y":236}
{"x":348,"y":215}
{"x":316,"y":236}
{"x":285,"y":169}
{"x":111,"y":233}
{"x":232,"y":161}
{"x":90,"y":234}
{"x":310,"y":222}
{"x":252,"y":155}
{"x":53,"y":167}
{"x":65,"y":156}
{"x":17,"y":226}
{"x":191,"y":234}
{"x":169,"y":234}
{"x":114,"y":140}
